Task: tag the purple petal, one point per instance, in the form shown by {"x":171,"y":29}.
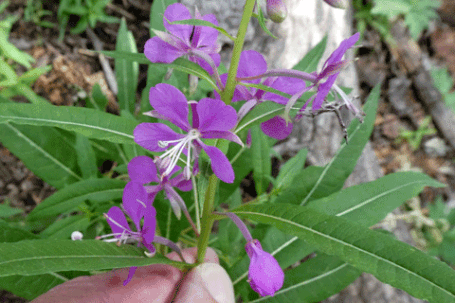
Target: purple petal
{"x":181,"y":183}
{"x":219,"y":162}
{"x":222,"y":135}
{"x":171,"y":103}
{"x":115,"y":214}
{"x":251,"y":64}
{"x":149,"y":227}
{"x":148,"y":135}
{"x":276,"y":128}
{"x":206,"y":36}
{"x":156,"y":50}
{"x":215,"y":115}
{"x":130,"y":275}
{"x":135,"y":199}
{"x":323,"y":91}
{"x":341,"y":50}
{"x":142,"y":169}
{"x":265,"y":274}
{"x":177,"y":12}
{"x":286,"y":85}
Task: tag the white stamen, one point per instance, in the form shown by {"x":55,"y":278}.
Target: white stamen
{"x":170,"y":158}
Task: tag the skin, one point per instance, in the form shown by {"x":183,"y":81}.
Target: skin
{"x":155,"y":283}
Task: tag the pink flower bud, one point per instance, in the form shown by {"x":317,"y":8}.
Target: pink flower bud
{"x":337,"y":3}
{"x":265,"y":274}
{"x":276,"y":10}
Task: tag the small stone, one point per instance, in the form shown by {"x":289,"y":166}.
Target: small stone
{"x":435,"y":147}
{"x":391,"y":127}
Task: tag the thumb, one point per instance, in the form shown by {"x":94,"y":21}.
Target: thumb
{"x":206,"y":283}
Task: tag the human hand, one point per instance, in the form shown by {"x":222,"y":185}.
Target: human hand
{"x":159,"y":283}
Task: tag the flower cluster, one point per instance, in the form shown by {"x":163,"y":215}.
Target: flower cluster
{"x":188,"y":129}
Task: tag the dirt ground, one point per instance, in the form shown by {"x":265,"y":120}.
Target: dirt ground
{"x":76,"y":70}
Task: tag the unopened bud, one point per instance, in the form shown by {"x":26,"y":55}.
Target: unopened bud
{"x":276,"y":10}
{"x":76,"y":235}
{"x":337,"y":3}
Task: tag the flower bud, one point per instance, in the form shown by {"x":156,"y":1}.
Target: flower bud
{"x":264,"y":274}
{"x":337,"y":3}
{"x":276,"y":10}
{"x":76,"y":235}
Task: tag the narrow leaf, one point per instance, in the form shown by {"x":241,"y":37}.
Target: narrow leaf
{"x":391,"y":261}
{"x":88,"y":122}
{"x":35,"y":257}
{"x":43,"y":150}
{"x":66,"y":199}
{"x":262,"y":166}
{"x":126,"y":72}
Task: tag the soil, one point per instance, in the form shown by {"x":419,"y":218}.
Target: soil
{"x":75,"y":70}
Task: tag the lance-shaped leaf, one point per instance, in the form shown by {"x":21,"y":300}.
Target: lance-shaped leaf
{"x":365,"y":203}
{"x":126,"y":72}
{"x":44,"y":150}
{"x":35,"y":257}
{"x":86,"y":121}
{"x":391,"y":261}
{"x":66,"y":199}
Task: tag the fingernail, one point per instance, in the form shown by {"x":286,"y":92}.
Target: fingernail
{"x":217,"y":282}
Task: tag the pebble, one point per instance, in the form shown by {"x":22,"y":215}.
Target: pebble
{"x":435,"y":147}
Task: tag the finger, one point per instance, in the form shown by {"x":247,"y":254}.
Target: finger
{"x":206,"y":283}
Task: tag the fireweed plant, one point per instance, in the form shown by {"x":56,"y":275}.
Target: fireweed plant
{"x":202,"y":130}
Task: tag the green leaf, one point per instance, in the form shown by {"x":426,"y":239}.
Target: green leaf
{"x":26,"y":287}
{"x":43,"y":150}
{"x":391,"y":8}
{"x":156,"y":14}
{"x":86,"y":157}
{"x":310,"y":62}
{"x":391,"y":261}
{"x":290,"y":170}
{"x":62,"y":229}
{"x":66,"y":199}
{"x":366,"y":204}
{"x":370,"y":202}
{"x":35,"y":257}
{"x":314,"y":280}
{"x":126,"y":72}
{"x":9,"y":233}
{"x":262,"y":164}
{"x":97,"y":99}
{"x":261,"y":20}
{"x":8,"y":211}
{"x":88,"y":122}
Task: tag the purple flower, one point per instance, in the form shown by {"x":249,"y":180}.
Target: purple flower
{"x":134,"y":196}
{"x":199,"y":43}
{"x":143,"y":170}
{"x":252,"y":64}
{"x":330,"y":71}
{"x":211,"y":119}
{"x":264,"y":274}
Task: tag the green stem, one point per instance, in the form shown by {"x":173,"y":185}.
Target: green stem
{"x":228,"y":91}
{"x":207,"y":218}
